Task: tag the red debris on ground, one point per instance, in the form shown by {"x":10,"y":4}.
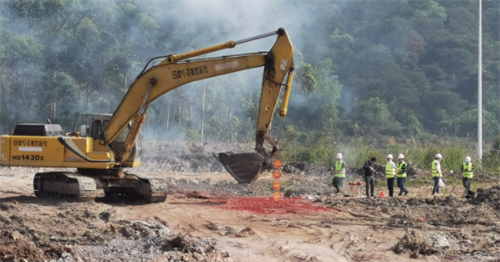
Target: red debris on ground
{"x":267,"y":205}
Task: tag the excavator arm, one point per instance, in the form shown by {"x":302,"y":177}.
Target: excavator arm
{"x":178,"y":69}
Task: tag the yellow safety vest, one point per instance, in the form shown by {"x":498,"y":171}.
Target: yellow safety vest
{"x":400,"y":169}
{"x":435,"y":172}
{"x":468,"y":170}
{"x":338,"y":166}
{"x":389,"y":170}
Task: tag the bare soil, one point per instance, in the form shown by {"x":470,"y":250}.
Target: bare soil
{"x":209,"y":217}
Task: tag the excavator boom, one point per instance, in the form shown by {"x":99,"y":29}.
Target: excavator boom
{"x":176,"y":70}
{"x":167,"y":77}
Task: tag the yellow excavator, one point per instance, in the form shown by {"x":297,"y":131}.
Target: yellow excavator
{"x":102,"y":145}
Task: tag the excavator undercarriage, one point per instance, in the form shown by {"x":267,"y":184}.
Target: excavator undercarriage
{"x":86,"y":185}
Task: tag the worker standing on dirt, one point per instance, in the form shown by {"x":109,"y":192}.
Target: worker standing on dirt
{"x":467,"y":172}
{"x":369,"y":179}
{"x":436,"y":172}
{"x":339,"y":171}
{"x":402,"y":175}
{"x":390,"y":172}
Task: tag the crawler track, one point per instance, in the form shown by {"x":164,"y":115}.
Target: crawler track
{"x":66,"y":185}
{"x":75,"y":186}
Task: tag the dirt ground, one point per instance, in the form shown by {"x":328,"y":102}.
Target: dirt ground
{"x":209,"y":217}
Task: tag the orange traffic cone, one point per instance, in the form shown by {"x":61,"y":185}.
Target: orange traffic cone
{"x":383,"y":194}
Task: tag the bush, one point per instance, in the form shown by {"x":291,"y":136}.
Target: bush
{"x":491,"y":160}
{"x":358,"y":150}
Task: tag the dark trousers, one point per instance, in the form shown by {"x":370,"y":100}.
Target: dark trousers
{"x":466,"y":182}
{"x":370,"y":182}
{"x":402,"y":185}
{"x":436,"y":185}
{"x":468,"y":193}
{"x":390,"y":186}
{"x":338,"y":183}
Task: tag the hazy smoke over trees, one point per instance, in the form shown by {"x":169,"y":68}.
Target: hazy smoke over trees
{"x":395,"y":67}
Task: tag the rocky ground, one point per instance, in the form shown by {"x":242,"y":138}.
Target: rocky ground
{"x":447,"y":226}
{"x":86,"y":232}
{"x":210,"y":217}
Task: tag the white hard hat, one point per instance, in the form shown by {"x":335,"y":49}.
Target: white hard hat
{"x":467,"y":159}
{"x":339,"y":156}
{"x":389,"y":156}
{"x":438,"y":156}
{"x":401,"y":156}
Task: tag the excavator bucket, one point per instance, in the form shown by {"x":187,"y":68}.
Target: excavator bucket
{"x":244,"y":167}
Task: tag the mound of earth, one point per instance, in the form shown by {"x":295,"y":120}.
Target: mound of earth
{"x":303,"y":166}
{"x":415,"y":244}
{"x":490,"y":196}
{"x":186,"y":157}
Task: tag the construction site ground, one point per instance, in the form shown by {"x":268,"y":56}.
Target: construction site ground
{"x":209,"y":217}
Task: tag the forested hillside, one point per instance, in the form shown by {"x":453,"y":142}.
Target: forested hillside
{"x":399,"y":67}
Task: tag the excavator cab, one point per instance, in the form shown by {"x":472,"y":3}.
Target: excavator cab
{"x":89,"y":125}
{"x":92,"y":125}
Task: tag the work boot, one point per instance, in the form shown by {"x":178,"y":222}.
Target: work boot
{"x":406,"y":192}
{"x":469,"y":194}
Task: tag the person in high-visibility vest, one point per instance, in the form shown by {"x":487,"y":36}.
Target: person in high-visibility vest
{"x":436,"y":172}
{"x":468,"y":174}
{"x":390,"y":172}
{"x":339,"y":173}
{"x":402,"y":175}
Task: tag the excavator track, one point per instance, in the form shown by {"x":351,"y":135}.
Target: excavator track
{"x":87,"y":188}
{"x":66,"y":185}
{"x":158,"y":190}
{"x":135,"y":187}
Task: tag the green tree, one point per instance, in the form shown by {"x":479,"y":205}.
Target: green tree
{"x":374,"y":116}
